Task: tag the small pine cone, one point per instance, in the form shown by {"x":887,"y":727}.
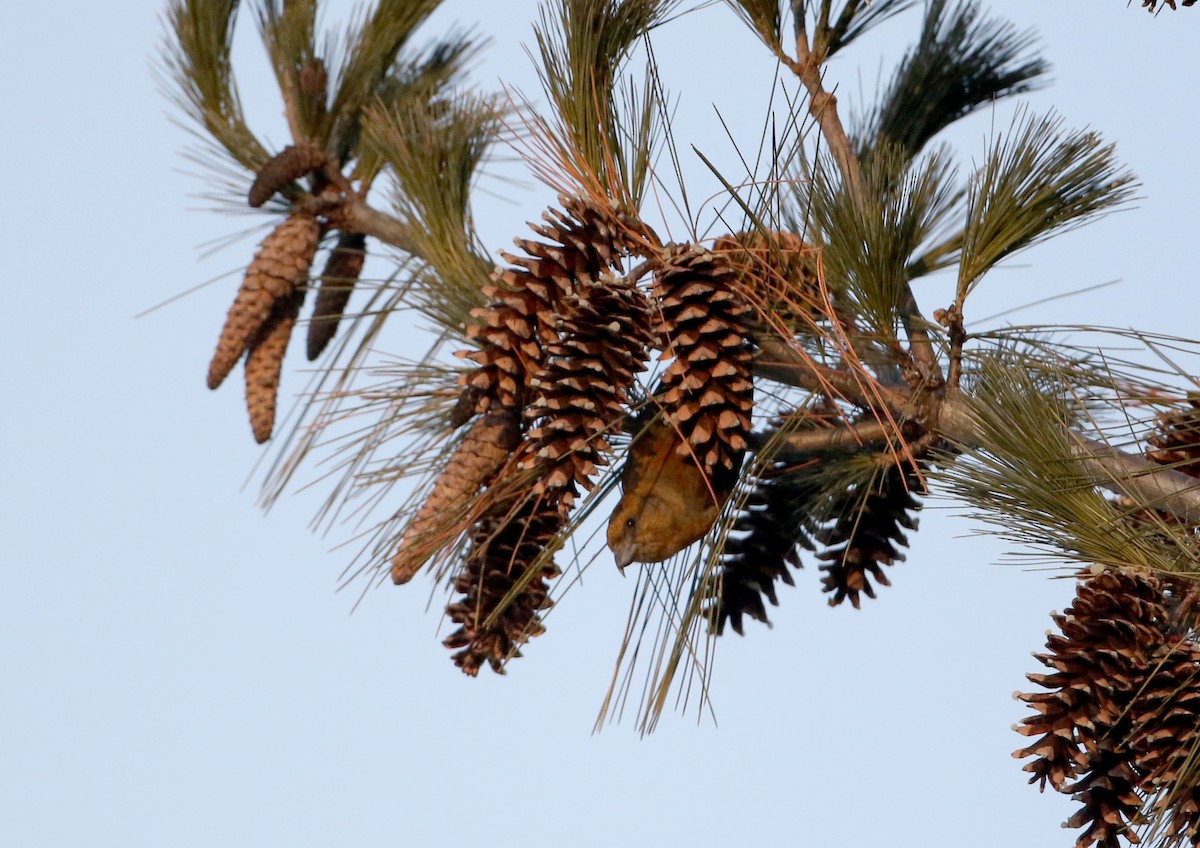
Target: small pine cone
{"x":779,"y":271}
{"x":293,"y":162}
{"x":1099,"y":662}
{"x":264,"y":364}
{"x":866,"y":534}
{"x":342,"y":269}
{"x":583,"y":386}
{"x":1177,"y":439}
{"x":776,"y":518}
{"x":279,"y":267}
{"x":474,"y":464}
{"x":707,"y":391}
{"x":503,"y":550}
{"x":1151,"y":5}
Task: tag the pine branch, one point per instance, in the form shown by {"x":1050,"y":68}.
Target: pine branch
{"x":197,"y":58}
{"x":1037,"y":181}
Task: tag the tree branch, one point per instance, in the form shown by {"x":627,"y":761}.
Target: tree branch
{"x":1152,"y":485}
{"x":823,"y":106}
{"x":777,"y":360}
{"x":805,"y":443}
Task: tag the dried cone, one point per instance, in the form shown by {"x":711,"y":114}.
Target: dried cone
{"x":290,"y":164}
{"x":776,"y":518}
{"x":866,"y":535}
{"x":278,"y":269}
{"x":473,"y":465}
{"x":341,"y":273}
{"x":541,"y":324}
{"x":778,"y":270}
{"x":503,"y":551}
{"x":1166,"y":721}
{"x":582,"y":386}
{"x":1099,"y":662}
{"x":1176,"y":441}
{"x":707,"y":391}
{"x":528,"y":299}
{"x":264,"y":364}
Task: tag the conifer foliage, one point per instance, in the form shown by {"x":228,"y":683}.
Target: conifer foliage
{"x":736,"y":399}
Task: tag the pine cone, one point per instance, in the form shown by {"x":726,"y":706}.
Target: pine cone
{"x":776,"y":518}
{"x":278,"y":269}
{"x":778,"y":271}
{"x":707,"y":391}
{"x":503,"y":551}
{"x":1166,"y":721}
{"x":1111,"y":803}
{"x":342,"y":269}
{"x":474,"y":464}
{"x":1099,"y":663}
{"x":583,"y":385}
{"x":293,"y":162}
{"x":264,"y":364}
{"x":1177,"y":439}
{"x":866,"y":534}
{"x":564,"y":337}
{"x":527,"y":301}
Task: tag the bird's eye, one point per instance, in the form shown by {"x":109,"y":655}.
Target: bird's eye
{"x":629,"y":522}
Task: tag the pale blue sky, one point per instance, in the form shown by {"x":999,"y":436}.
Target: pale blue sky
{"x":179,"y":670}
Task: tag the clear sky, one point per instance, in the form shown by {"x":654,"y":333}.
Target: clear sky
{"x":179,"y":670}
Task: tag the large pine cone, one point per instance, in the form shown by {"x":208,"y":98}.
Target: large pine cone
{"x":583,"y":386}
{"x":1084,"y":726}
{"x":707,"y":391}
{"x":503,"y":550}
{"x":867,"y":533}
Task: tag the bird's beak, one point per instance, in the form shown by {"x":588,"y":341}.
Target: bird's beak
{"x":624,"y":556}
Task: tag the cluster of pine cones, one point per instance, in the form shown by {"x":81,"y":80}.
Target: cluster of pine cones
{"x":259,"y":324}
{"x":556,"y":357}
{"x":1118,"y":728}
{"x":557,"y":354}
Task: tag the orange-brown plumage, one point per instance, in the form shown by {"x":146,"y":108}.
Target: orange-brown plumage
{"x":667,"y":500}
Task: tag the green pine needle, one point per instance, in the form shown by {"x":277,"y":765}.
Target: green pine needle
{"x":1026,"y":480}
{"x":763,"y":17}
{"x":870,"y":238}
{"x":196,"y":56}
{"x":434,"y":151}
{"x":582,"y":47}
{"x":289,"y":32}
{"x":372,"y":47}
{"x":855,"y":18}
{"x":1037,"y":180}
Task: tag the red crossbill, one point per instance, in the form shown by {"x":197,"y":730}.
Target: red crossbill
{"x":667,"y":500}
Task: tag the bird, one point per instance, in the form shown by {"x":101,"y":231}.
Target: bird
{"x":667,"y":500}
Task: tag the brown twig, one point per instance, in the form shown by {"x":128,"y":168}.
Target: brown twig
{"x":823,"y":105}
{"x":777,"y":360}
{"x":805,"y":443}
